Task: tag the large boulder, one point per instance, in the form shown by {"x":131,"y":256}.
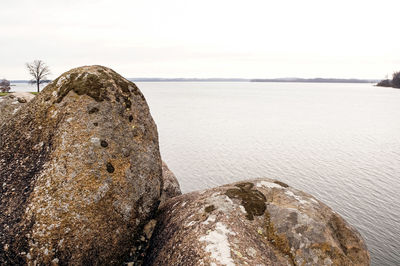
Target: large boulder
{"x":80,"y":172}
{"x":171,"y":187}
{"x":257,"y":222}
{"x":11,"y":103}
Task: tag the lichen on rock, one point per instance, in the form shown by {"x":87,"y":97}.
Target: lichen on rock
{"x":256,"y":222}
{"x":252,"y":200}
{"x":11,"y":103}
{"x":171,"y":187}
{"x":78,"y":180}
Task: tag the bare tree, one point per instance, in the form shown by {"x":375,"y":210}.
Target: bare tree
{"x":4,"y":85}
{"x":39,"y":71}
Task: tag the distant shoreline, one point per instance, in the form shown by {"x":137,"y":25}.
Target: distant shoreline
{"x":316,"y":80}
{"x":286,"y":80}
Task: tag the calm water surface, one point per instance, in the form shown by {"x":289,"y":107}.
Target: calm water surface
{"x":338,"y":142}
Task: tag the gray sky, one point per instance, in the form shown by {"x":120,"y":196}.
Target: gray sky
{"x":208,"y":38}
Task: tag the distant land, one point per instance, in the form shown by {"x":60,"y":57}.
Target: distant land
{"x":313,"y":80}
{"x":317,"y":80}
{"x":189,"y":80}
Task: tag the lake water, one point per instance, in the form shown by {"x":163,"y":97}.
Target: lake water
{"x":338,"y":142}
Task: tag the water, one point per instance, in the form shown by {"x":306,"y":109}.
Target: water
{"x":25,"y":87}
{"x":339,"y":142}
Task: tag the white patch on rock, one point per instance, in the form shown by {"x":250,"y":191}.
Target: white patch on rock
{"x":101,"y":192}
{"x":38,"y":146}
{"x":251,"y":252}
{"x":222,"y":203}
{"x":210,"y":219}
{"x":59,"y":82}
{"x":190,"y":224}
{"x":54,"y":114}
{"x":15,"y":111}
{"x":95,"y":140}
{"x":218,"y":244}
{"x":298,"y":198}
{"x":314,"y":201}
{"x":268,"y":185}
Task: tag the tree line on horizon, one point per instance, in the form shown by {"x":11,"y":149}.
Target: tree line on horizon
{"x":394,"y":82}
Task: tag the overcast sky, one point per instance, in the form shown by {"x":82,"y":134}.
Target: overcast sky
{"x":208,"y":38}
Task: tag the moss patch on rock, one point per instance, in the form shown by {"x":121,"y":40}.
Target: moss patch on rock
{"x":97,"y":85}
{"x":85,"y":83}
{"x":252,"y":200}
{"x":279,"y":241}
{"x":209,"y":208}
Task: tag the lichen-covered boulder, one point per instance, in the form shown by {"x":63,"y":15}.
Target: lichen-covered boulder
{"x":171,"y":187}
{"x":257,"y":222}
{"x":80,"y":172}
{"x":11,"y":103}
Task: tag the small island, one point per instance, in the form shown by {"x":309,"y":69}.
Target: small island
{"x":394,"y":82}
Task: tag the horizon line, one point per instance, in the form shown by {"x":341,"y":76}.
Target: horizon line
{"x":285,"y":79}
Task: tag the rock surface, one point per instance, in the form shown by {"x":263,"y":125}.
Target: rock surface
{"x":11,"y":103}
{"x":171,"y":187}
{"x":257,"y":222}
{"x":80,"y":172}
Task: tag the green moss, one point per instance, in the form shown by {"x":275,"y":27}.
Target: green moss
{"x":84,"y":83}
{"x":331,"y":252}
{"x":209,"y":208}
{"x":281,"y":183}
{"x":252,"y":200}
{"x":99,"y":86}
{"x":279,"y":241}
{"x":6,"y":93}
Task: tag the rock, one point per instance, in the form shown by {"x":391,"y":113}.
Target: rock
{"x":80,"y":172}
{"x":170,"y":189}
{"x":11,"y":103}
{"x":171,"y":186}
{"x":257,"y":222}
